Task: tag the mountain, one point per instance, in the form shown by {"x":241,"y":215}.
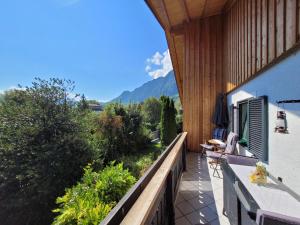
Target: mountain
{"x":154,"y":88}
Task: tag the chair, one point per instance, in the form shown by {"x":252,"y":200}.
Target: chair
{"x":229,"y":150}
{"x":270,"y":218}
{"x":218,"y":134}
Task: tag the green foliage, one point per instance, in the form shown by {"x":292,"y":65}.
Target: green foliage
{"x":139,"y":162}
{"x":92,"y":199}
{"x":47,"y":138}
{"x":42,"y":149}
{"x":121,"y":130}
{"x":83,"y":104}
{"x":179,"y":116}
{"x":151,"y":110}
{"x":168,"y":120}
{"x":1,"y":98}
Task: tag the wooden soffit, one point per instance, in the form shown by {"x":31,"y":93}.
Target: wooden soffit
{"x":173,"y":13}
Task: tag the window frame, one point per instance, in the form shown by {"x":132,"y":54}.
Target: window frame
{"x":244,"y":101}
{"x":265,"y":125}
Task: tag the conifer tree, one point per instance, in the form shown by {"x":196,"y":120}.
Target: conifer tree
{"x":168,"y":121}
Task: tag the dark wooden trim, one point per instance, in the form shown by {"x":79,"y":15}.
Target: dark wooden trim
{"x":118,"y":213}
{"x":155,"y":13}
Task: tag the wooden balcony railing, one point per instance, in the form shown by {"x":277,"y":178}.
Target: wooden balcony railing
{"x":151,"y":199}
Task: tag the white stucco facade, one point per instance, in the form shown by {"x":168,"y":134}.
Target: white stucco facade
{"x":280,"y":82}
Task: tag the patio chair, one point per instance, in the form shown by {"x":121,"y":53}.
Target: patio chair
{"x":219,"y":155}
{"x":270,"y":218}
{"x":218,"y":134}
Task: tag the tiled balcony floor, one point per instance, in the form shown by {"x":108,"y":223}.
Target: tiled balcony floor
{"x":200,"y":196}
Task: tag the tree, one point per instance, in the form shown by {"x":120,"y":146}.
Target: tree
{"x":83,"y":104}
{"x":42,"y":149}
{"x":121,"y":130}
{"x":168,"y":120}
{"x":151,"y":109}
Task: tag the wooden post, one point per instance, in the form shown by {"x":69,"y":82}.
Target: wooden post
{"x":170,"y":199}
{"x":184,"y":157}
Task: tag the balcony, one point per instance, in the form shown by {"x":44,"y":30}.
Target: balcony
{"x":173,"y":192}
{"x":180,"y":189}
{"x":200,"y":196}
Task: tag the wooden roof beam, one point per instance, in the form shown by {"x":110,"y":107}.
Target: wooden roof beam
{"x":186,"y":10}
{"x":228,"y":5}
{"x":177,"y":30}
{"x":167,"y":14}
{"x":204,"y":9}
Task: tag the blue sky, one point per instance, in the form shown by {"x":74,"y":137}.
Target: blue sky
{"x":105,"y":46}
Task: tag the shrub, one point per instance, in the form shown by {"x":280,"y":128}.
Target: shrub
{"x":92,"y":199}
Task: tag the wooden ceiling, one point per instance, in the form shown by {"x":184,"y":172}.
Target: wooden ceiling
{"x":173,"y":15}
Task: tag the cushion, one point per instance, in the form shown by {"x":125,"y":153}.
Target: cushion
{"x":209,"y":147}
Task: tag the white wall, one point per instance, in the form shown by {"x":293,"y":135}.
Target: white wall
{"x":280,"y":82}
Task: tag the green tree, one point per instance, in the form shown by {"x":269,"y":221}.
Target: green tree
{"x":121,"y":130}
{"x":168,"y":120}
{"x":179,"y":115}
{"x":151,"y":110}
{"x":83,"y":104}
{"x":42,"y":149}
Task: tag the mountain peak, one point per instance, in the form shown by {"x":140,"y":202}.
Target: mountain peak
{"x":154,"y":88}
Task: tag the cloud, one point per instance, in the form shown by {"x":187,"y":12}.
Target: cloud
{"x":159,"y":65}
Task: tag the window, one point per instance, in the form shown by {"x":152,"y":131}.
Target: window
{"x":253,"y":126}
{"x":243,"y":123}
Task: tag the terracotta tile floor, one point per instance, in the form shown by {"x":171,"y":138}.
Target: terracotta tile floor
{"x":200,"y":196}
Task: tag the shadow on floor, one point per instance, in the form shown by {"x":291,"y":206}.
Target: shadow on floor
{"x":200,"y":196}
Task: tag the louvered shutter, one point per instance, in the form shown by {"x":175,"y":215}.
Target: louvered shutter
{"x":258,"y":127}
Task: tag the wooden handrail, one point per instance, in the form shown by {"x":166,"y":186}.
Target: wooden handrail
{"x":140,"y":211}
{"x":121,"y":209}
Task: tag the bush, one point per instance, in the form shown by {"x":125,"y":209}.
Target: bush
{"x":43,"y":150}
{"x":92,"y":199}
